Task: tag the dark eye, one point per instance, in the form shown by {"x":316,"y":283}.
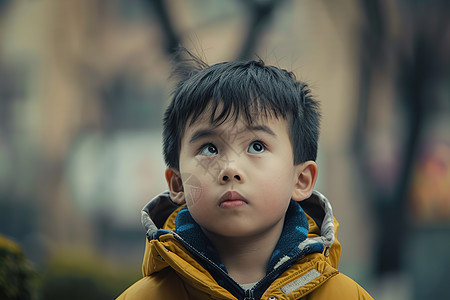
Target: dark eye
{"x":256,"y":147}
{"x":208,"y":150}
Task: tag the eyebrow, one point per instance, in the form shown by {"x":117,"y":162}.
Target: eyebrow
{"x":201,"y":134}
{"x":210,"y":132}
{"x":261,"y":128}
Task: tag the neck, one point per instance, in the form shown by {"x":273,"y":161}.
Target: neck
{"x":246,"y":258}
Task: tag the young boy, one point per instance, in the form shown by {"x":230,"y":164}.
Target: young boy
{"x":241,"y":219}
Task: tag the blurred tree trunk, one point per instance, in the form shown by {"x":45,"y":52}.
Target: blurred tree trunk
{"x":419,"y":54}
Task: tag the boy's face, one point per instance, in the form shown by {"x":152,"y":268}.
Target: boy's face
{"x":237,"y":179}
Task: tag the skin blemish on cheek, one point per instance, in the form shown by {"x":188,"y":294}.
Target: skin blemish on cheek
{"x":192,"y":189}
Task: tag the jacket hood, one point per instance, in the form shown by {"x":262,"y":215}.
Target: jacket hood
{"x":158,"y":218}
{"x":312,"y":258}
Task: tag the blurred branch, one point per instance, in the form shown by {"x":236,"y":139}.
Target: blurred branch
{"x":260,"y":14}
{"x":172,"y":40}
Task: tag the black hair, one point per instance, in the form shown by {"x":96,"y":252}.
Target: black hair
{"x":230,"y":89}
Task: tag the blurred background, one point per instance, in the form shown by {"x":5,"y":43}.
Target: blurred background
{"x":83,"y":87}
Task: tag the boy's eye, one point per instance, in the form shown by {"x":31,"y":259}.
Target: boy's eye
{"x":256,"y":147}
{"x":208,"y":150}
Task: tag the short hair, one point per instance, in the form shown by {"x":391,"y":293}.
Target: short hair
{"x":247,"y":88}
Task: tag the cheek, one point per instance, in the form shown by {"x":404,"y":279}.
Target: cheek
{"x":193,"y":188}
{"x":276,"y":184}
{"x":193,"y":195}
{"x":197,"y":200}
{"x":280,"y":174}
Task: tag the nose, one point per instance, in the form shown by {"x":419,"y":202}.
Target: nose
{"x":230,"y":174}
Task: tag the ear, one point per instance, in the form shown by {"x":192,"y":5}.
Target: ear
{"x":305,"y":180}
{"x":175,"y":184}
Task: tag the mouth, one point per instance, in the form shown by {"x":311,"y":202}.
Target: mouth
{"x":232,"y":199}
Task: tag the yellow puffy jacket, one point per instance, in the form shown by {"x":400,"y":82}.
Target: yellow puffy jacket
{"x":171,"y":272}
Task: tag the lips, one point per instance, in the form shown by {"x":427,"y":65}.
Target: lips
{"x":232,"y":199}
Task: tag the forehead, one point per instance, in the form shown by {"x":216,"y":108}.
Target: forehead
{"x":217,"y":114}
{"x":236,"y":127}
{"x":216,"y":117}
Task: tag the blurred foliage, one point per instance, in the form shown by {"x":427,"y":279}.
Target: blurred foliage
{"x":18,"y":280}
{"x":70,"y":274}
{"x":81,"y":274}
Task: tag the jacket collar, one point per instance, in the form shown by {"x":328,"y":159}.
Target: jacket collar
{"x":318,"y":207}
{"x":321,"y":235}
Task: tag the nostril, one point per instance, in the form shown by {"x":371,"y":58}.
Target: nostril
{"x":226,"y":178}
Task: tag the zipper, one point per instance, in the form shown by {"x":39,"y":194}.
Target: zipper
{"x":249,"y":294}
{"x":237,"y":289}
{"x":270,"y":277}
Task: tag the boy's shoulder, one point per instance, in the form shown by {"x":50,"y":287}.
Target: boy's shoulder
{"x":167,"y":284}
{"x":147,"y":286}
{"x":164,"y":284}
{"x":340,"y":287}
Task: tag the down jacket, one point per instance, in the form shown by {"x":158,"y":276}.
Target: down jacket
{"x":175,"y":269}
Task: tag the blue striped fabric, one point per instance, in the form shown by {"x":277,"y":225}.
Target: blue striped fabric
{"x":294,"y":232}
